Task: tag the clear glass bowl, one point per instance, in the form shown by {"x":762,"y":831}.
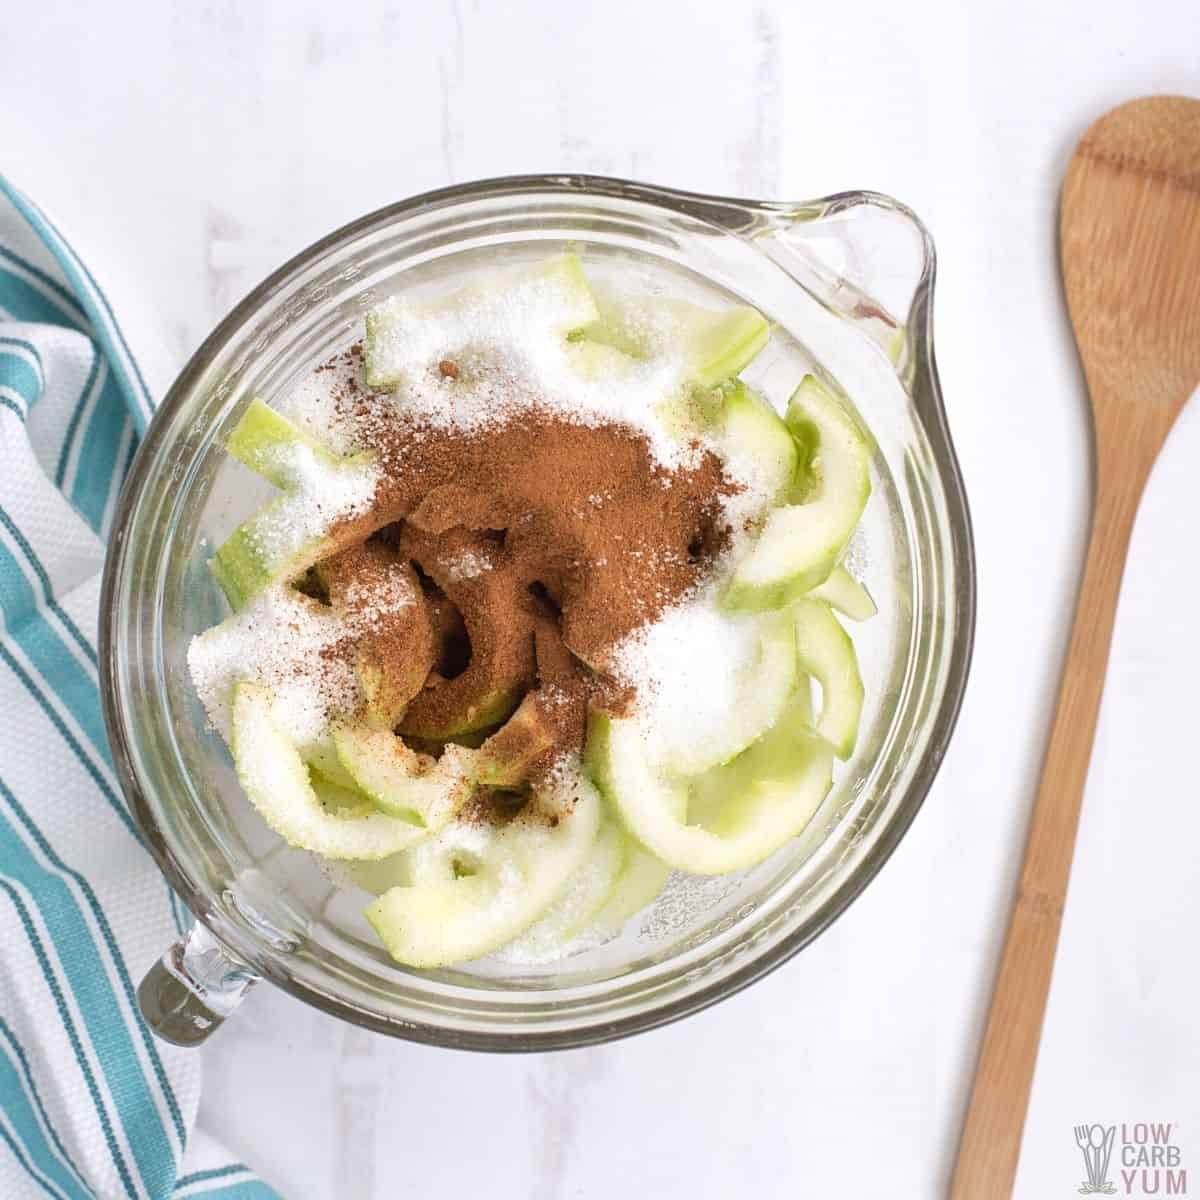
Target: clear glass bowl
{"x":848,"y":282}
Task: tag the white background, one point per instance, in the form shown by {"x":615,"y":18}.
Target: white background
{"x":190,"y":147}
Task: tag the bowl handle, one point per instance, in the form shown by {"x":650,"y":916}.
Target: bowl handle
{"x":193,"y":988}
{"x":865,"y":257}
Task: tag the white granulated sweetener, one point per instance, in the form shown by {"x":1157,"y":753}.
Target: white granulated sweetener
{"x":309,"y":403}
{"x":510,"y":350}
{"x":467,"y":564}
{"x":277,"y":640}
{"x":375,"y":599}
{"x":689,"y":668}
{"x":318,"y":495}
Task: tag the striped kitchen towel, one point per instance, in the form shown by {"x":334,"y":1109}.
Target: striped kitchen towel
{"x":90,"y":1104}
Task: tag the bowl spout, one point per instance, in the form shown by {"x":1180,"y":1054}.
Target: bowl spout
{"x":866,"y":257}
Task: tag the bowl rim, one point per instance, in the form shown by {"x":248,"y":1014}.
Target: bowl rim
{"x":925,"y":390}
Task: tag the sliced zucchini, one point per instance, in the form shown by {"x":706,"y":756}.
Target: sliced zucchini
{"x":476,"y":887}
{"x":556,"y":290}
{"x":388,"y":681}
{"x":843,"y":592}
{"x":595,"y":361}
{"x":322,"y":758}
{"x":491,"y":709}
{"x":277,"y":781}
{"x":827,"y":653}
{"x":588,"y":891}
{"x":757,"y":443}
{"x":771,"y":792}
{"x":505,"y":758}
{"x":240,"y":565}
{"x":642,"y":879}
{"x":336,"y":799}
{"x":281,"y":540}
{"x":723,"y":345}
{"x":707,"y":794}
{"x":266,"y":441}
{"x":712,"y":345}
{"x":803,"y":541}
{"x":399,"y":781}
{"x":761,"y":697}
{"x":643,"y":875}
{"x":374,"y":877}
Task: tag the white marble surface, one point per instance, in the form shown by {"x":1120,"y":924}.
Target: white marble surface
{"x":191,"y":146}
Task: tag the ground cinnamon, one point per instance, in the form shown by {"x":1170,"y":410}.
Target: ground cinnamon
{"x":552,"y":539}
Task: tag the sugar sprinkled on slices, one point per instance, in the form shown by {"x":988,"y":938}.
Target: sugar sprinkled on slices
{"x":510,"y":351}
{"x":744,"y":509}
{"x":535,"y":947}
{"x":288,"y":641}
{"x":319,"y":494}
{"x":686,"y":668}
{"x":309,"y":402}
{"x":370,"y":602}
{"x":576,"y":427}
{"x":278,"y":639}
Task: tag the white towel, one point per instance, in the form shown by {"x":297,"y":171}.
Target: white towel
{"x":91,"y":1105}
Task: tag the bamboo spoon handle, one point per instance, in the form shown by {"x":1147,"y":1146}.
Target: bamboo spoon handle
{"x":991,"y":1140}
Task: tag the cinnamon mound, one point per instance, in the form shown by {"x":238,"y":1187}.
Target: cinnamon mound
{"x":492,"y":603}
{"x":394,"y":645}
{"x":552,"y":540}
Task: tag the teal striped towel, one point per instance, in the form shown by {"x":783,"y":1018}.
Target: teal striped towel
{"x":90,"y":1104}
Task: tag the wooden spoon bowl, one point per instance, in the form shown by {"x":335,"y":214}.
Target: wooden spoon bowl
{"x":1130,"y":237}
{"x":1130,"y":240}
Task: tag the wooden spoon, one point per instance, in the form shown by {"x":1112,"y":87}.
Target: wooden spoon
{"x":1130,"y":238}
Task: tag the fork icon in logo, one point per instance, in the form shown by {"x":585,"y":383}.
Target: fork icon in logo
{"x":1095,"y":1143}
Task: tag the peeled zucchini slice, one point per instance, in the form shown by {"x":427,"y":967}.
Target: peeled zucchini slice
{"x":723,"y":345}
{"x":556,"y":291}
{"x":504,"y":760}
{"x":712,"y":345}
{"x":587,"y":892}
{"x":339,"y":801}
{"x":476,"y":887}
{"x":266,"y":441}
{"x":597,"y":362}
{"x":761,"y":698}
{"x":757,"y":443}
{"x":277,"y":781}
{"x":802,"y":542}
{"x":280,"y":541}
{"x":826,"y":652}
{"x":770,"y":794}
{"x":322,"y":759}
{"x":642,"y":879}
{"x":843,"y":592}
{"x":400,"y":782}
{"x":375,"y":877}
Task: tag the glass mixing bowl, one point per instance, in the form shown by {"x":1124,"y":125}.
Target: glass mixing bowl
{"x":848,"y":283}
